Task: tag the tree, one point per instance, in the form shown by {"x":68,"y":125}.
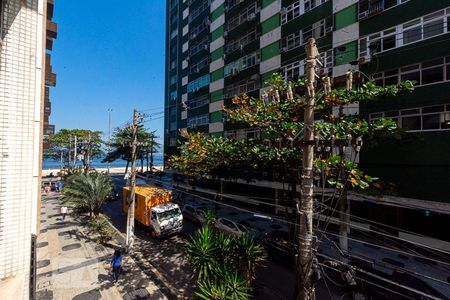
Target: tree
{"x":278,"y":145}
{"x":88,"y":146}
{"x":87,"y":191}
{"x":225,"y":266}
{"x":121,"y":146}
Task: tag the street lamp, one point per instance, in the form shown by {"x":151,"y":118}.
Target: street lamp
{"x":109,"y":134}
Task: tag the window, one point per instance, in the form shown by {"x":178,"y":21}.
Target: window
{"x":195,"y":68}
{"x":317,"y":30}
{"x":370,"y":7}
{"x":198,"y":10}
{"x":240,"y":42}
{"x":242,"y":63}
{"x":433,"y":24}
{"x":173,"y":95}
{"x":298,"y":8}
{"x":296,"y":69}
{"x":198,"y":121}
{"x":173,"y":79}
{"x":428,"y":72}
{"x":198,"y":83}
{"x":198,"y":102}
{"x":418,"y":119}
{"x":239,"y":88}
{"x":202,"y":45}
{"x":194,"y":32}
{"x":245,"y":15}
{"x":412,"y":31}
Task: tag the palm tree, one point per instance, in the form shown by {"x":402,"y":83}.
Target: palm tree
{"x":87,"y":191}
{"x":202,"y":251}
{"x":248,"y":256}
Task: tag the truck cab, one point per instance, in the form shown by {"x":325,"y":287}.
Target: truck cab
{"x":165,"y":219}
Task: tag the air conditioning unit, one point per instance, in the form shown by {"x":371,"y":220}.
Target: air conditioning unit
{"x":207,"y":22}
{"x":193,"y":36}
{"x":283,"y":10}
{"x":240,"y":1}
{"x":363,"y":15}
{"x":188,"y":58}
{"x":206,"y":46}
{"x":225,"y":34}
{"x":255,"y":77}
{"x":329,"y":29}
{"x":251,"y":17}
{"x":364,"y":60}
{"x":283,"y":49}
{"x":241,"y":47}
{"x":224,"y":56}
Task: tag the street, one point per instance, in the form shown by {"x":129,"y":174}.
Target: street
{"x":273,"y":280}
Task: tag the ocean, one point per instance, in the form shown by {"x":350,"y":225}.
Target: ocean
{"x":97,"y":163}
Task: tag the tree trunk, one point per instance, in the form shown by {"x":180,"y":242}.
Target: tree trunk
{"x":344,"y":212}
{"x":147,"y":160}
{"x":126,"y":168}
{"x":142,"y":164}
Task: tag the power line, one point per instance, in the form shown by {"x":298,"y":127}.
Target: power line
{"x":377,"y":276}
{"x":287,"y":221}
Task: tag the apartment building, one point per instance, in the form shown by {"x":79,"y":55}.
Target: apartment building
{"x":22,"y":78}
{"x":50,"y":76}
{"x":217,"y":49}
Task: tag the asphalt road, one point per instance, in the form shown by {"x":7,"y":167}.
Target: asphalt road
{"x":273,"y":280}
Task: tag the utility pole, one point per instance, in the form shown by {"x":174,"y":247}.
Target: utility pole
{"x":109,"y":134}
{"x":305,"y":258}
{"x":75,"y":153}
{"x":130,"y":214}
{"x":151,"y":153}
{"x":61,"y":162}
{"x":344,"y":205}
{"x":69,"y":153}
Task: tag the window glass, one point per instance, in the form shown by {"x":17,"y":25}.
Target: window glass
{"x":391,"y":80}
{"x":410,"y":112}
{"x":433,"y":28}
{"x":432,"y":75}
{"x":388,"y":42}
{"x":411,"y":123}
{"x":412,"y":35}
{"x":391,"y":113}
{"x":432,"y":63}
{"x":411,"y":76}
{"x":431,"y":121}
{"x":431,"y":109}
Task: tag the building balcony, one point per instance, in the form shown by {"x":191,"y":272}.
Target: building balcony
{"x":52,"y":29}
{"x":50,"y":79}
{"x":49,"y":129}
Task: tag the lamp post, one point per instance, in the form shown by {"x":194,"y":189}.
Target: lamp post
{"x":109,"y":134}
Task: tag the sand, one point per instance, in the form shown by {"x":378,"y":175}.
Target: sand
{"x":120,"y":170}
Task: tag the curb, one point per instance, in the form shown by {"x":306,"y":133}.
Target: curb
{"x":168,"y":289}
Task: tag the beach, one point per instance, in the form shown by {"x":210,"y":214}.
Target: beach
{"x":116,"y":170}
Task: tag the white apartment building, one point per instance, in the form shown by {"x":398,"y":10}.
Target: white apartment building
{"x":22,"y":58}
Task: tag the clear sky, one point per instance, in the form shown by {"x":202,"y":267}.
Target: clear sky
{"x":108,"y":54}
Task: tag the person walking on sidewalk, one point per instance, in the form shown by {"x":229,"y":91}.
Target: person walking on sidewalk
{"x":63,"y":212}
{"x":116,"y":264}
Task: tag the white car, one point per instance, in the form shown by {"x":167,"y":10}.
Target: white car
{"x":194,"y":213}
{"x":232,"y":228}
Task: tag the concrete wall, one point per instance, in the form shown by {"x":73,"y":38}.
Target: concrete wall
{"x":21,"y":96}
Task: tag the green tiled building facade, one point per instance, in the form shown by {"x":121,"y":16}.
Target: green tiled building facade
{"x":217,"y":49}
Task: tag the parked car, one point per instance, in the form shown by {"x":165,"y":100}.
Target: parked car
{"x":113,"y":195}
{"x":194,"y":213}
{"x":279,"y":247}
{"x":233,"y":228}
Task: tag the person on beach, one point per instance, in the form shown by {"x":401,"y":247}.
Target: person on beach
{"x":116,"y":264}
{"x":63,"y":212}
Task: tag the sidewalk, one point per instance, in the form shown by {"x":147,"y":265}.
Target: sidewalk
{"x":71,"y":265}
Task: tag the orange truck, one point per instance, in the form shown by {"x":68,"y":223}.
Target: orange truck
{"x":154,"y":208}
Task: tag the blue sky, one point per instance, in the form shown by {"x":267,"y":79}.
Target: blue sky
{"x":108,"y":54}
